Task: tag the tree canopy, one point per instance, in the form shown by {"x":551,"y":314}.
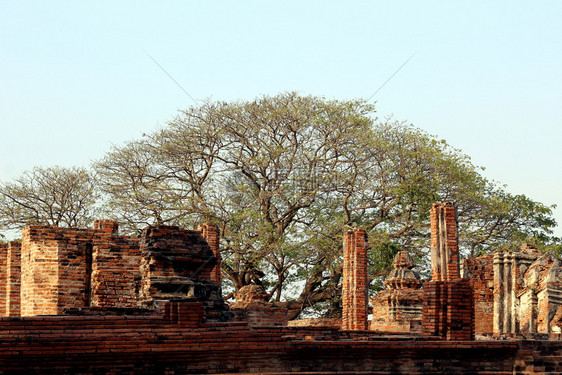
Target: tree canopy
{"x":283,"y":177}
{"x":53,"y":196}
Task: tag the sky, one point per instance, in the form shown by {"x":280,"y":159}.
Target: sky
{"x":77,"y":77}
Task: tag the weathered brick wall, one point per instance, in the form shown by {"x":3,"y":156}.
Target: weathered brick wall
{"x":177,"y":342}
{"x":115,"y":278}
{"x":354,"y":284}
{"x":78,"y":268}
{"x":211,"y":234}
{"x":10,"y":269}
{"x":257,"y":314}
{"x":480,"y":273}
{"x":13,"y":268}
{"x":448,"y":310}
{"x":3,"y":277}
{"x":39,"y":271}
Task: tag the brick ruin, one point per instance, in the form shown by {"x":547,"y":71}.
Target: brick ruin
{"x":56,"y":271}
{"x":516,"y":292}
{"x":91,"y":301}
{"x":354,"y":284}
{"x":399,"y":307}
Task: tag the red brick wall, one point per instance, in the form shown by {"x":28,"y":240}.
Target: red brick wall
{"x":13,"y":266}
{"x":77,"y":268}
{"x":178,"y":343}
{"x":480,"y":273}
{"x":39,"y":272}
{"x":354,"y":285}
{"x":211,"y":234}
{"x":448,"y":310}
{"x":115,"y":279}
{"x":3,"y":277}
{"x":10,"y":270}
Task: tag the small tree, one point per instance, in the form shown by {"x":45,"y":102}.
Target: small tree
{"x":54,"y":196}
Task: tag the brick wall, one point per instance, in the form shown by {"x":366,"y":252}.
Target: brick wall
{"x":480,"y":273}
{"x":78,"y":268}
{"x":211,"y":234}
{"x":448,"y":310}
{"x":3,"y":277}
{"x":115,"y":276}
{"x":13,"y":268}
{"x":354,"y":285}
{"x":176,"y":341}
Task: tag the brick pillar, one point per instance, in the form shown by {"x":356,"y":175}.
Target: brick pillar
{"x":211,"y":234}
{"x":354,"y":284}
{"x":444,"y":242}
{"x":3,"y":277}
{"x":13,"y":279}
{"x":448,"y":310}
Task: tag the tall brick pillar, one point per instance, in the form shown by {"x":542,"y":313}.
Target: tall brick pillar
{"x":211,"y":234}
{"x":444,"y":242}
{"x":354,"y":285}
{"x":448,"y":309}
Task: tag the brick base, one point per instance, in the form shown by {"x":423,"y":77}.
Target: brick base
{"x":448,"y":310}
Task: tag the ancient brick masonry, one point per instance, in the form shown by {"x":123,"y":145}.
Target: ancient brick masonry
{"x":527,"y":291}
{"x":354,"y":285}
{"x":65,"y":269}
{"x":212,"y":235}
{"x":10,"y":262}
{"x":480,"y":273}
{"x":399,"y":307}
{"x":448,"y":301}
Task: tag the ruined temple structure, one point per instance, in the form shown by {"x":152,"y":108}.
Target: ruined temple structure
{"x":90,"y":301}
{"x":398,"y":308}
{"x":252,"y":306}
{"x":59,"y":271}
{"x":516,"y":292}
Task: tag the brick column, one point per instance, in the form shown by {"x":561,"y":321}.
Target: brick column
{"x":354,"y":284}
{"x":448,"y":310}
{"x":211,"y":234}
{"x":444,"y":242}
{"x":3,"y":277}
{"x":13,"y":279}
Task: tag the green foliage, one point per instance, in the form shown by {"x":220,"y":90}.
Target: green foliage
{"x":285,"y":176}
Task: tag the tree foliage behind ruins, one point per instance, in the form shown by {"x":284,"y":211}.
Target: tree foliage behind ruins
{"x":283,"y":177}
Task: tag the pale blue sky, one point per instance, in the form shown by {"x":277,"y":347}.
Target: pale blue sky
{"x":75,"y":76}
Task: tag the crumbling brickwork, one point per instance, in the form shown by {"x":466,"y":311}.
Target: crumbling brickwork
{"x":444,"y":242}
{"x":480,"y":273}
{"x":66,"y":269}
{"x":211,"y":234}
{"x":399,"y":307}
{"x":354,"y":284}
{"x":448,"y":300}
{"x":252,"y":306}
{"x":10,"y":270}
{"x":77,"y":268}
{"x":527,"y":291}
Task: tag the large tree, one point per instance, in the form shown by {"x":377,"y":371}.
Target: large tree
{"x":284,"y":176}
{"x":54,"y":196}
